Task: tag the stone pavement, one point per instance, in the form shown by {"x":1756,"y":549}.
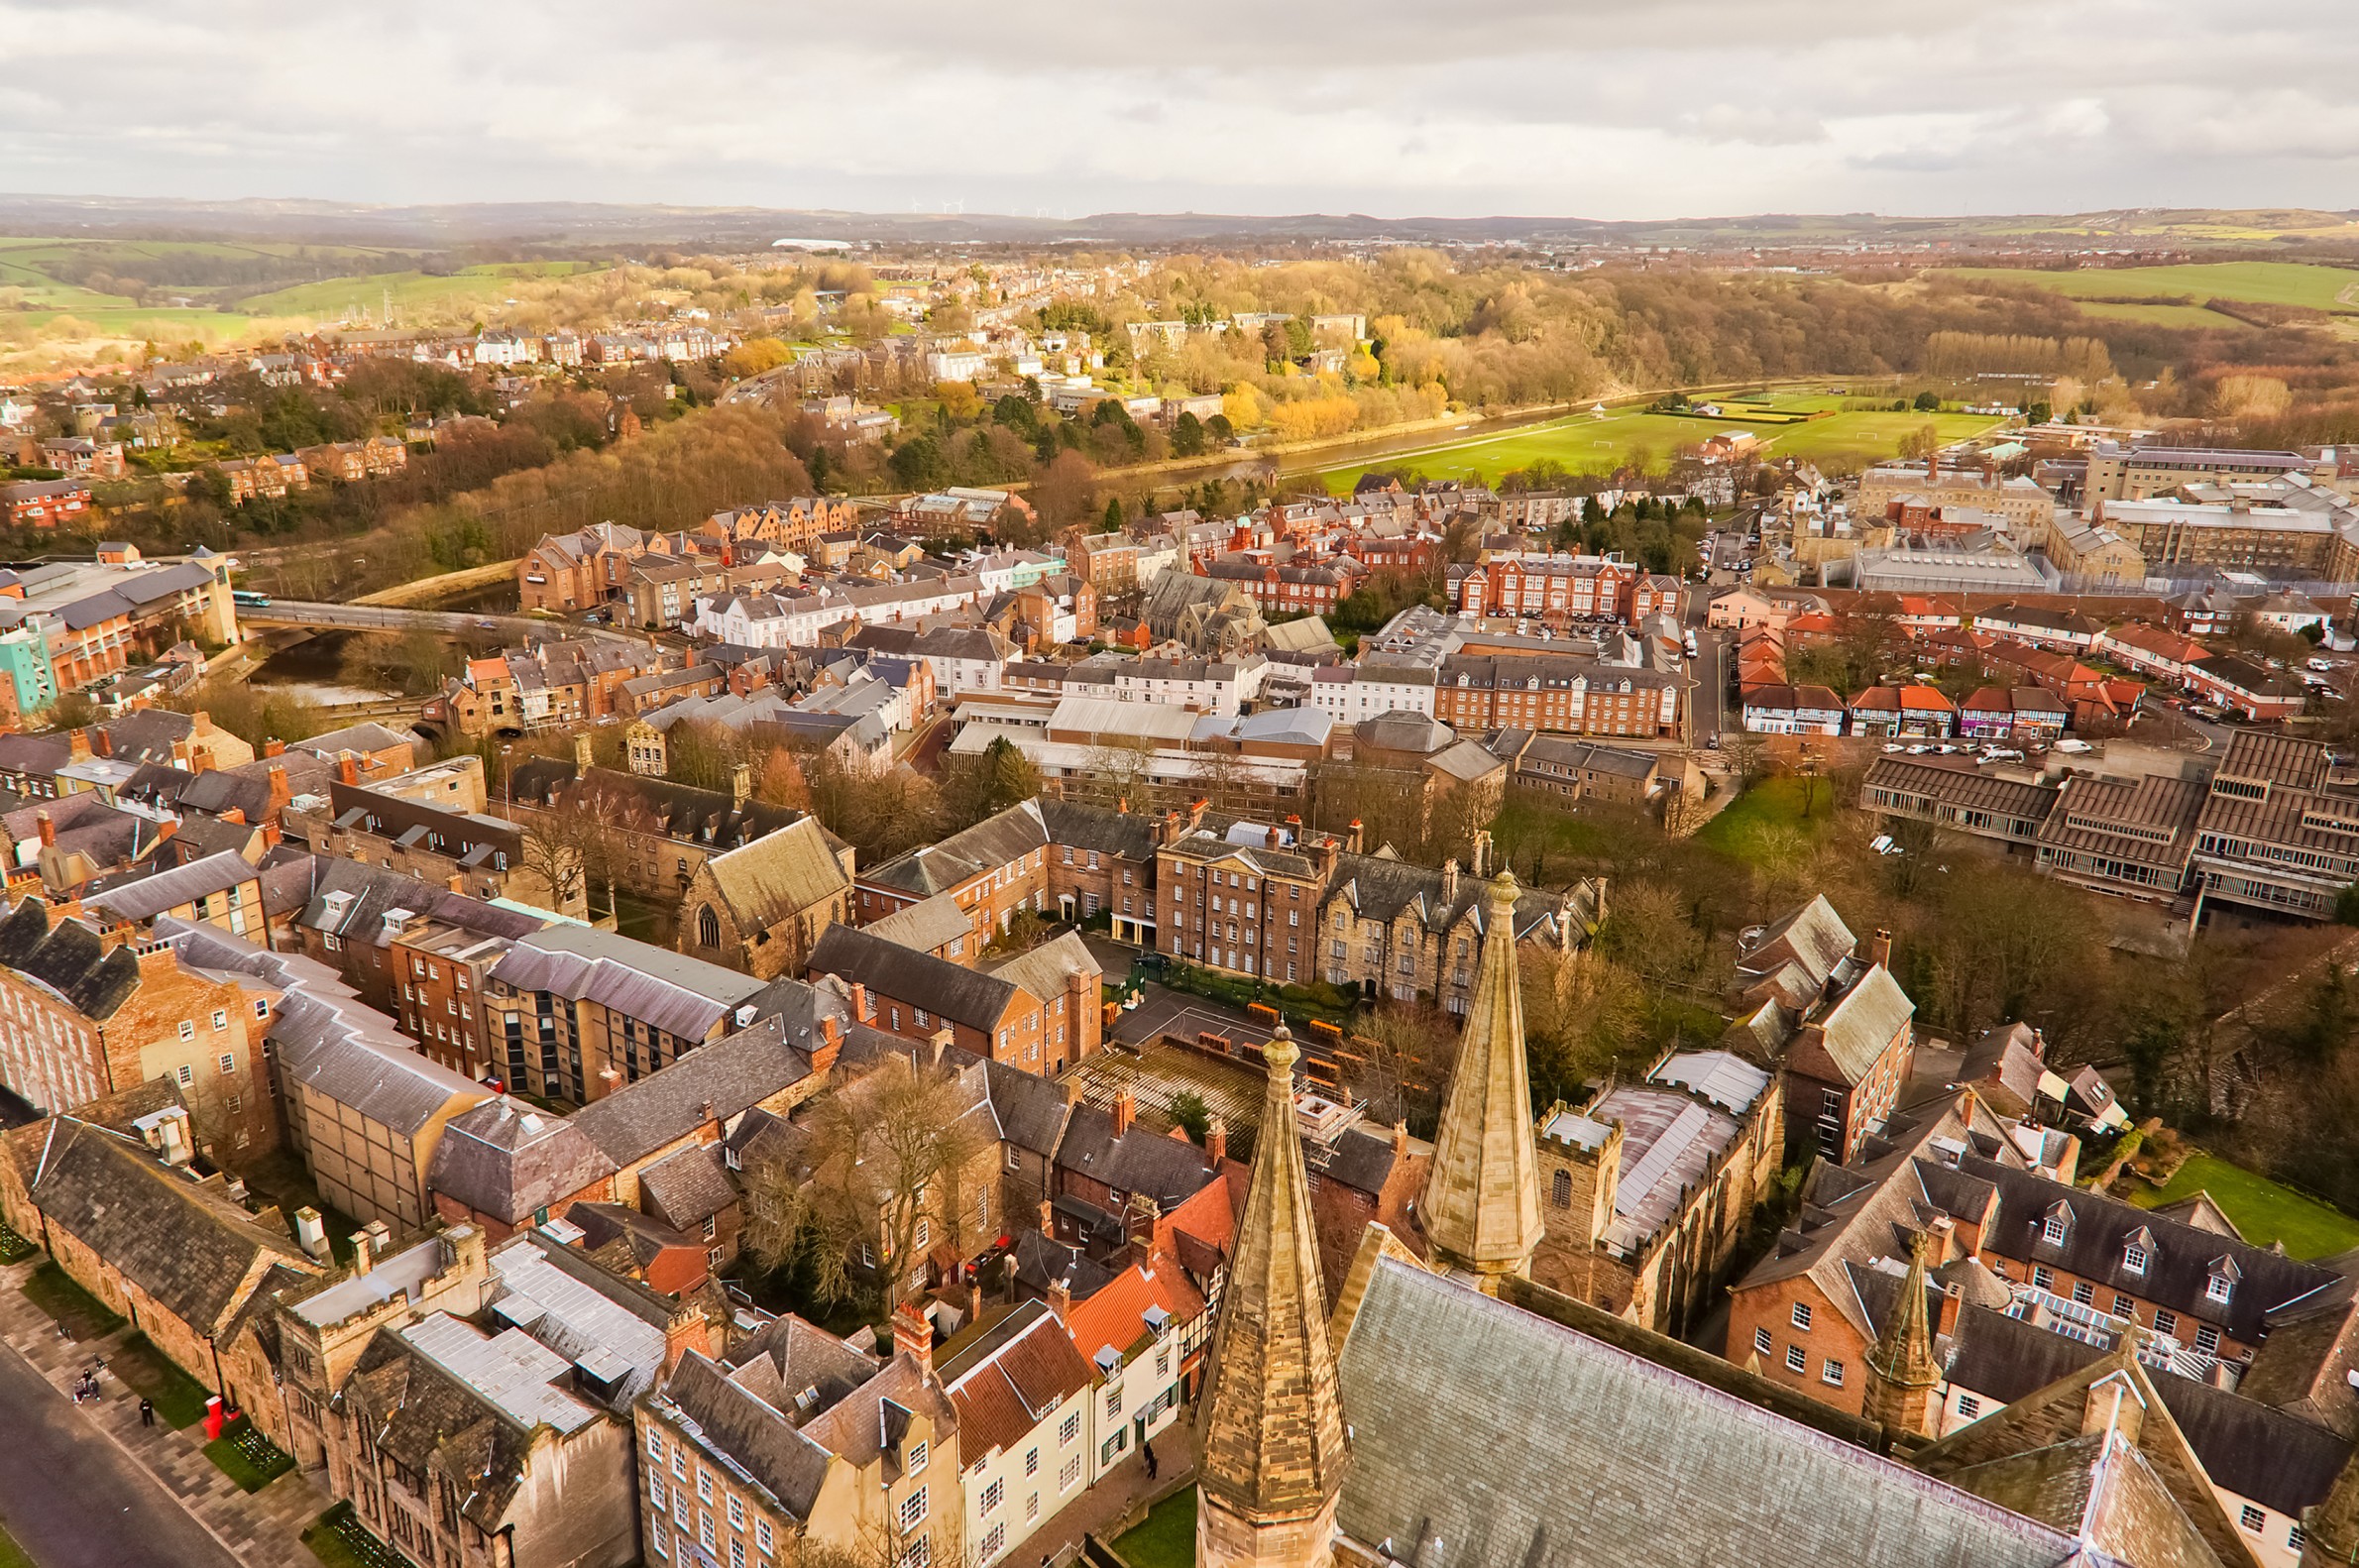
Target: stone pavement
{"x":1096,"y":1509}
{"x":261,"y":1529}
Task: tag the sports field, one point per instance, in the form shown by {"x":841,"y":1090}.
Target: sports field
{"x":1587,"y":445}
{"x":2333,"y":288}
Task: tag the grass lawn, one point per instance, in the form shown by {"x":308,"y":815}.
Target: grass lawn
{"x":2260,"y":1207}
{"x":11,"y":1554}
{"x":2263,"y":283}
{"x":1772,"y":804}
{"x":246,"y":1457}
{"x":489,"y":284}
{"x":340,"y":1541}
{"x":84,"y":1315}
{"x":1166,"y":1538}
{"x":1587,"y":445}
{"x":180,"y":1400}
{"x":2163,"y":315}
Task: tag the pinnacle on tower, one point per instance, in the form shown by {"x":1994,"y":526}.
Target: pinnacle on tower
{"x":1274,"y":1445}
{"x":1901,"y":1370}
{"x":1482,"y":1207}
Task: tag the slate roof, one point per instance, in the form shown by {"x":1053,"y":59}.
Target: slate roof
{"x":988,"y":845}
{"x":680,"y":995}
{"x":145,"y":897}
{"x":1032,"y":1109}
{"x":421,"y":1413}
{"x":1844,"y":1044}
{"x":2179,"y":1266}
{"x":687,"y":1188}
{"x":1042,"y":1259}
{"x":749,"y":1430}
{"x":710,"y":1083}
{"x":69,"y":959}
{"x":352,"y":1054}
{"x":1813,"y":936}
{"x":190,"y":1250}
{"x":1167,"y":1170}
{"x":925,"y":925}
{"x":1044,"y":970}
{"x":917,"y":979}
{"x":711,"y":818}
{"x":1077,"y":824}
{"x":1445,"y":1388}
{"x":508,"y":1160}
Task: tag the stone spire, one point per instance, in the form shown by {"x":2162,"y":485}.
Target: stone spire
{"x":1482,"y":1207}
{"x":1901,"y":1371}
{"x":1273,"y":1444}
{"x":2330,"y":1530}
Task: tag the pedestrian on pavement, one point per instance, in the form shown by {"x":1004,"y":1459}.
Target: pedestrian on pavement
{"x":147,"y":1412}
{"x":1149,"y":1450}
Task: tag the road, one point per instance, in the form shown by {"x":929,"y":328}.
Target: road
{"x":1711,"y":694}
{"x":364,"y":617}
{"x":74,"y":1500}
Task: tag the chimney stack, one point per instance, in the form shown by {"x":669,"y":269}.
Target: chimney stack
{"x":282,"y":794}
{"x":685,"y":1330}
{"x":741,"y":784}
{"x":348,"y":770}
{"x":1061,"y":1299}
{"x":1879,"y":949}
{"x":1048,"y":1218}
{"x":363,"y":1251}
{"x":273,"y":746}
{"x":860,"y":1003}
{"x":1126,"y":1111}
{"x":48,"y":830}
{"x":1449,"y":881}
{"x":1216,"y":1139}
{"x":1482,"y":854}
{"x":831,"y":1044}
{"x":974,"y":1300}
{"x":913,"y":1335}
{"x":1352,"y":842}
{"x":1399,"y":1138}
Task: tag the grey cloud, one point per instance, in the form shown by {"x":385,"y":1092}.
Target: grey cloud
{"x":1607,"y":108}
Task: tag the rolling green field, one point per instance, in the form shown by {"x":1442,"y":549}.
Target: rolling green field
{"x":2331,"y":288}
{"x":1589,"y":445}
{"x":410,"y":289}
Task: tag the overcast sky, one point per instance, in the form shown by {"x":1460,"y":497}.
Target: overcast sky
{"x":1588,"y":108}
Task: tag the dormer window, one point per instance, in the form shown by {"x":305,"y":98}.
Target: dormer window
{"x":2133,"y":1258}
{"x":2218,"y":1288}
{"x":2053,"y":1232}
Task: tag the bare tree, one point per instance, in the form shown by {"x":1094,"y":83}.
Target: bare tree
{"x":885,"y":1167}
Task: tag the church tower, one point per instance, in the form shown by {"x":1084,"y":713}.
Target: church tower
{"x":1901,"y":1371}
{"x":1274,"y":1445}
{"x":1481,"y":1211}
{"x":2330,"y":1530}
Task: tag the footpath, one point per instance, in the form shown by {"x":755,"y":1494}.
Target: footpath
{"x":261,"y":1529}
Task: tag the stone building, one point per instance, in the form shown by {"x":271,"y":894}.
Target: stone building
{"x":762,"y":906}
{"x":1648,"y":1187}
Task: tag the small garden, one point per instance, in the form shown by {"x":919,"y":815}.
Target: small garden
{"x":2261,"y":1209}
{"x":1297,"y":1001}
{"x":1167,"y":1537}
{"x":246,"y":1457}
{"x":180,"y":1400}
{"x":340,"y":1541}
{"x":72,"y":1308}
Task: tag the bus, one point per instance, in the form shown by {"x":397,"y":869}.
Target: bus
{"x":247,"y":598}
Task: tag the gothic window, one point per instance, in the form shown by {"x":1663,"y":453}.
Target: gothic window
{"x":708,"y":926}
{"x":1563,"y":1192}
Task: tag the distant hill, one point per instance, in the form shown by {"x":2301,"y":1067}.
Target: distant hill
{"x":562,"y":224}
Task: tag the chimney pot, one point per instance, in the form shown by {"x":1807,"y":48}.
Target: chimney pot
{"x":273,"y":747}
{"x":1881,"y":949}
{"x":1126,"y":1111}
